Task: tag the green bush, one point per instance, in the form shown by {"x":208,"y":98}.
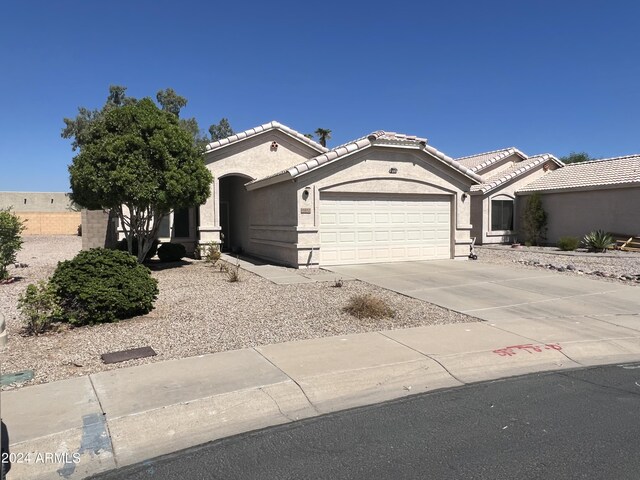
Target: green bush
{"x":171,"y":252}
{"x":568,"y":244}
{"x":10,"y":240}
{"x":597,"y":241}
{"x":101,"y":285}
{"x":39,"y":307}
{"x":123,"y":247}
{"x":534,"y":220}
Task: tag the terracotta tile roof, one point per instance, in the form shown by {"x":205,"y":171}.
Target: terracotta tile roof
{"x":379,"y":137}
{"x":261,"y":129}
{"x":516,"y":170}
{"x":480,"y":161}
{"x":607,"y":171}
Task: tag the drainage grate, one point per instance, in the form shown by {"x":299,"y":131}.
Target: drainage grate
{"x":124,"y":355}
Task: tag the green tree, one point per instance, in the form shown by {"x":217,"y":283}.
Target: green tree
{"x":173,"y":103}
{"x":220,"y":130}
{"x":575,"y":157}
{"x":323,"y":135}
{"x":534,"y":220}
{"x":309,"y":136}
{"x":170,"y":101}
{"x":10,"y":240}
{"x":138,"y":160}
{"x":76,"y":128}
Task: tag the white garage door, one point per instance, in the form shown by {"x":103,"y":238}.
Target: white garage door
{"x":384,"y":228}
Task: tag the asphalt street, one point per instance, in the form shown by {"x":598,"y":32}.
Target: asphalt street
{"x":572,"y":424}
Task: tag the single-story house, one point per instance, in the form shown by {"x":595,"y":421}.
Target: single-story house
{"x":493,"y":201}
{"x":586,"y":196}
{"x":283,"y":197}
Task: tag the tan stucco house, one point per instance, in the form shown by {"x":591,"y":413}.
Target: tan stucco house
{"x":582,"y":197}
{"x":387,"y":196}
{"x":493,"y":201}
{"x":283,"y":197}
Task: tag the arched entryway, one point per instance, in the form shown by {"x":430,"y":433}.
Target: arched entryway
{"x":234,"y":213}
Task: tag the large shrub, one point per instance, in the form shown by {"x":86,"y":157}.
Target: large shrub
{"x":534,"y":220}
{"x":10,"y":240}
{"x":102,"y":285}
{"x":171,"y":252}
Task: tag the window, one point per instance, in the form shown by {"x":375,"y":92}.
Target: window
{"x":501,"y":215}
{"x":163,"y":230}
{"x":181,"y":223}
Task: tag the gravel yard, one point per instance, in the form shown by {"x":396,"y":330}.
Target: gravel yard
{"x":197,"y":312}
{"x":612,"y":266}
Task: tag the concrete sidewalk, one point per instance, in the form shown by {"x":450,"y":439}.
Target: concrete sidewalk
{"x":120,"y":417}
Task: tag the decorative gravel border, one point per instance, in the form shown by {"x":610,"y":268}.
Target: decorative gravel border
{"x":613,"y":266}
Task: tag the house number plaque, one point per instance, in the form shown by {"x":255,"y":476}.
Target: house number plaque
{"x":305,"y":211}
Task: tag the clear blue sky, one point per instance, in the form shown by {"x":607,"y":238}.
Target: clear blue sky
{"x":545,"y":76}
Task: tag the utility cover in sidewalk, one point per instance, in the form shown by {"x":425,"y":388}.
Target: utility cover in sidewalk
{"x":18,"y":377}
{"x":124,"y":355}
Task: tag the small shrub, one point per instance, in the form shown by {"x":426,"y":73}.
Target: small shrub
{"x":597,"y":241}
{"x":233,"y":273}
{"x":10,"y":240}
{"x":568,"y":244}
{"x":123,"y":247}
{"x":212,"y":253}
{"x":171,"y":252}
{"x":101,"y":285}
{"x":368,"y":306}
{"x":39,"y":307}
{"x":338,"y":282}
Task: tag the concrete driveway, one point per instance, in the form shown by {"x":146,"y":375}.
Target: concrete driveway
{"x":502,"y":293}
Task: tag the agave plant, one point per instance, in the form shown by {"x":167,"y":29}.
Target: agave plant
{"x":597,"y":241}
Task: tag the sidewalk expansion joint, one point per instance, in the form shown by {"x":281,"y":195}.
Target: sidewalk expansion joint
{"x":290,"y":378}
{"x":425,"y":355}
{"x":105,"y":423}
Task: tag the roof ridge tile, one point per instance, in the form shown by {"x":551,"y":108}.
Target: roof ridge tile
{"x":272,"y":125}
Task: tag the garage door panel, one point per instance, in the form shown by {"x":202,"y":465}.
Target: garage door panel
{"x":370,"y":228}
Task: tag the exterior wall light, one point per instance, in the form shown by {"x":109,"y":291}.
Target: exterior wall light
{"x":274,"y":146}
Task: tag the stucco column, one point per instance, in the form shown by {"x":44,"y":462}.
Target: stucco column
{"x":209,"y":228}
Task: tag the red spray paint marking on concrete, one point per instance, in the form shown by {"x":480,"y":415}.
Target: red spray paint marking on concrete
{"x":529,"y":348}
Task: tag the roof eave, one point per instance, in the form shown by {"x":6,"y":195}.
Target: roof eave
{"x":265,"y":182}
{"x":581,"y":188}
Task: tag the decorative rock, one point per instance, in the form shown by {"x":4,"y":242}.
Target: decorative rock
{"x":571,"y":267}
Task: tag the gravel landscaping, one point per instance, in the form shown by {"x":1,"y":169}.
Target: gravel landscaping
{"x":197,"y":312}
{"x":613,"y":265}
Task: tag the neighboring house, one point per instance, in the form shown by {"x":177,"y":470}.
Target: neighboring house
{"x":582,"y":197}
{"x":383,"y":197}
{"x":493,"y":202}
{"x":44,"y":213}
